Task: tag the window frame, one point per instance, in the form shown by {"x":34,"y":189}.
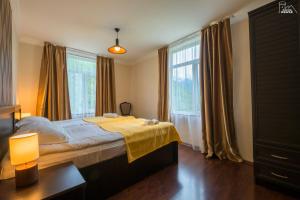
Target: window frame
{"x":195,"y":74}
{"x":84,"y":77}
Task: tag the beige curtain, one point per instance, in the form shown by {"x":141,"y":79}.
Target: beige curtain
{"x":216,"y":92}
{"x":53,"y":94}
{"x":6,"y":79}
{"x":105,"y":86}
{"x":163,"y":107}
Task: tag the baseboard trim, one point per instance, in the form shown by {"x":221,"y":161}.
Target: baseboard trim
{"x":248,"y":163}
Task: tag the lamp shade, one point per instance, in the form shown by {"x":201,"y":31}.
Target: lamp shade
{"x":24,"y":148}
{"x":116,"y":49}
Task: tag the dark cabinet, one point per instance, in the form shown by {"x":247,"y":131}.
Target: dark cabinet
{"x":275,"y":74}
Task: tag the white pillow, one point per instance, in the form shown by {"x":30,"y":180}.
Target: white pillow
{"x":110,"y":115}
{"x":32,"y":119}
{"x":48,"y":132}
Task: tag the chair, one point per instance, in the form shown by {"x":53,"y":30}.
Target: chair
{"x":125,"y":108}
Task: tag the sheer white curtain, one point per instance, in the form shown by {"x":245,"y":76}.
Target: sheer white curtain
{"x":184,"y":90}
{"x":82,"y":83}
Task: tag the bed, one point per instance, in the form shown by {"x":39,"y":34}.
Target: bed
{"x":104,"y":166}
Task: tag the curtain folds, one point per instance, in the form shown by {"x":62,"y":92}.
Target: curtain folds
{"x":6,"y":54}
{"x":216,"y":92}
{"x":105,"y":86}
{"x":163,"y":93}
{"x":189,"y":128}
{"x":53,"y":94}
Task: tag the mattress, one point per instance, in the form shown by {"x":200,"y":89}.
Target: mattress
{"x":108,"y":145}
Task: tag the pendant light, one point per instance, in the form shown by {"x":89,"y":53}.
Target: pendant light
{"x":117,"y":49}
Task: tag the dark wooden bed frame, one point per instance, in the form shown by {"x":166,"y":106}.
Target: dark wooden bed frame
{"x":107,"y":177}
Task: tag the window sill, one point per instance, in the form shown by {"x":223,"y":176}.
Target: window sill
{"x":187,"y":114}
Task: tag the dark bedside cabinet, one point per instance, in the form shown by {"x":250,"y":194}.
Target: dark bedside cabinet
{"x":63,"y":182}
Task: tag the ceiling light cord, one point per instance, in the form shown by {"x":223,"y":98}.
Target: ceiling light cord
{"x":117,"y":49}
{"x":117,"y":39}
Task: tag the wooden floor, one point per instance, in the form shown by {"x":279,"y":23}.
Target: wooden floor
{"x":197,"y":178}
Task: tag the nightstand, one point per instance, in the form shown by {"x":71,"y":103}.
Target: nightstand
{"x":58,"y":182}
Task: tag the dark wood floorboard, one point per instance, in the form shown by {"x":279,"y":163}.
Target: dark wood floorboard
{"x":197,"y":178}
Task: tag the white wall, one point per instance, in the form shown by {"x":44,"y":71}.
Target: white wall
{"x":30,"y":57}
{"x":242,"y":88}
{"x":122,"y":77}
{"x":28,"y":73}
{"x":144,"y":87}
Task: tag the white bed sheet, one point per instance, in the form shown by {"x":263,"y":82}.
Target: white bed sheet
{"x":108,"y":145}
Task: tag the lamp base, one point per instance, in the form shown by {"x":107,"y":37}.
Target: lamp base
{"x":26,"y":177}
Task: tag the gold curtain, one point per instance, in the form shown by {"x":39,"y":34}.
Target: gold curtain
{"x":105,"y":86}
{"x":53,"y":94}
{"x":216,"y":92}
{"x":163,"y":107}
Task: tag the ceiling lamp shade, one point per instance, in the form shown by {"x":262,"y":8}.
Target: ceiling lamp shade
{"x":117,"y":49}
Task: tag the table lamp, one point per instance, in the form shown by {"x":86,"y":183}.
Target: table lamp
{"x":24,"y":152}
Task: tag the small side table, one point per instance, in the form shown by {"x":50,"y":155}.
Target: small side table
{"x":58,"y":182}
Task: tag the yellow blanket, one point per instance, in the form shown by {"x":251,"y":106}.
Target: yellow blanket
{"x":140,"y":139}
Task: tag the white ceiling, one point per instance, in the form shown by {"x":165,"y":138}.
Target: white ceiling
{"x":145,"y":25}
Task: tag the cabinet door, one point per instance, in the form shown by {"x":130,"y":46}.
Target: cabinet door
{"x":275,"y":75}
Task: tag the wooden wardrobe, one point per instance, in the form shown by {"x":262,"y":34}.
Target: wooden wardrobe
{"x":275,"y":74}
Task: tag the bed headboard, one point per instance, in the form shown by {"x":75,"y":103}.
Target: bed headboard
{"x":7,"y":125}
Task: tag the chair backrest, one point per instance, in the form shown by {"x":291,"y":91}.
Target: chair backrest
{"x":125,"y":108}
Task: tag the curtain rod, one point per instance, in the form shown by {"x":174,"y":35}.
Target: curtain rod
{"x":82,"y":51}
{"x":74,"y":49}
{"x":198,"y":31}
{"x":88,"y":53}
{"x":184,"y":37}
{"x":221,"y":19}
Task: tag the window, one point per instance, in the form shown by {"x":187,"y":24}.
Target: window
{"x":82,"y":84}
{"x":184,"y":76}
